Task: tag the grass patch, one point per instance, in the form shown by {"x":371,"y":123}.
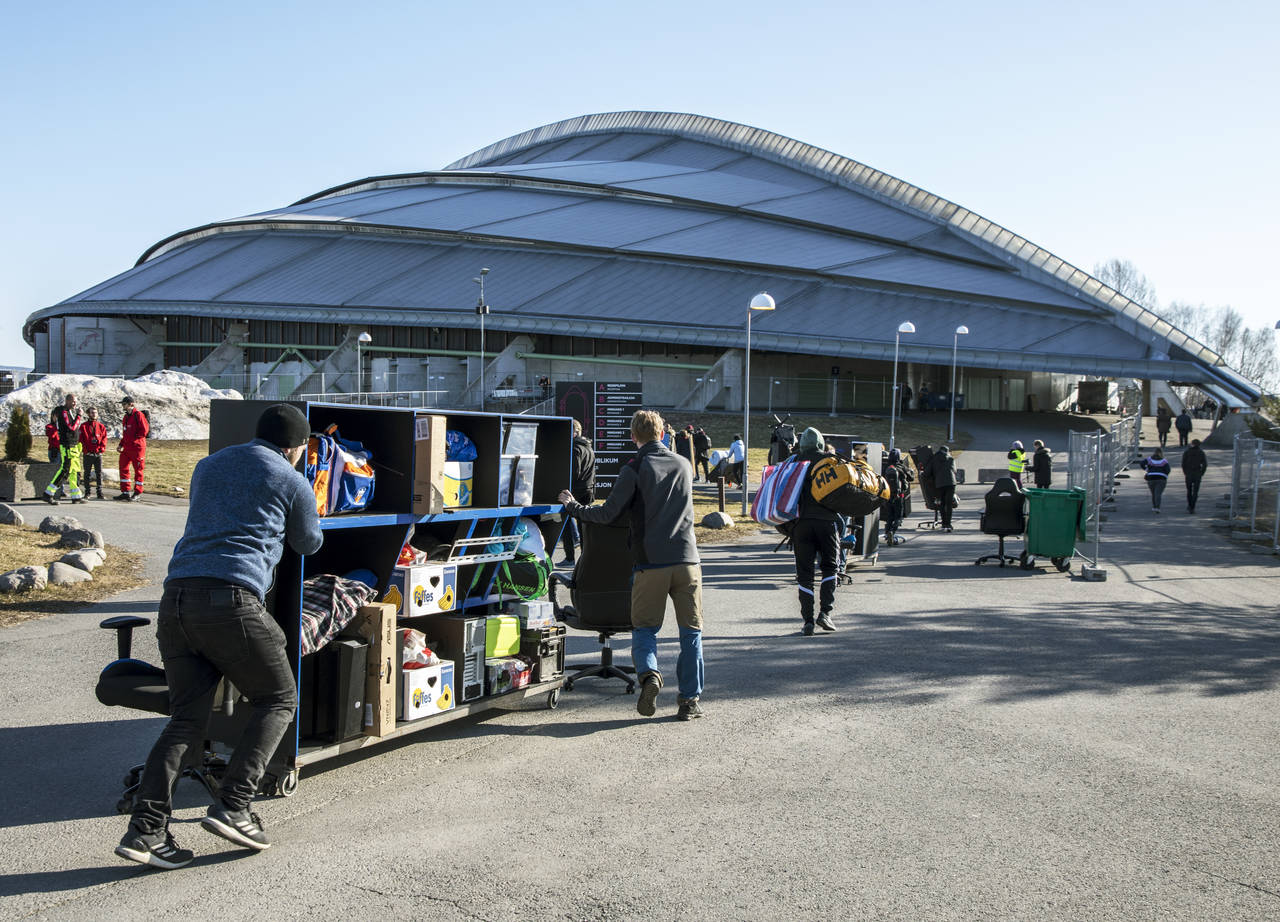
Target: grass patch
{"x":169,"y":464}
{"x":25,"y":546}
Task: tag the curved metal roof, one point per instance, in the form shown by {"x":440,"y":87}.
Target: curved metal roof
{"x":650,"y":225}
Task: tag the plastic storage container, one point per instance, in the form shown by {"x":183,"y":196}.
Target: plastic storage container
{"x":1055,"y":518}
{"x":515,"y":480}
{"x":520,"y":438}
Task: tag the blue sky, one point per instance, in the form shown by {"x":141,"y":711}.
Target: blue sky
{"x":1144,"y":131}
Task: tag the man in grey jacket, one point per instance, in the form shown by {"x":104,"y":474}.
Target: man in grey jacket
{"x":246,"y":501}
{"x":656,"y":489}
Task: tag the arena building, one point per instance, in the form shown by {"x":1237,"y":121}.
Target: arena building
{"x":625,"y":246}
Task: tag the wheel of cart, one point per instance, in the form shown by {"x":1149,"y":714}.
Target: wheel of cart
{"x":553,"y":698}
{"x":1055,"y":519}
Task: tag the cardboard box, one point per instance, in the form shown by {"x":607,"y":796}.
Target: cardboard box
{"x":424,"y":589}
{"x":428,"y":464}
{"x":426,"y":691}
{"x":501,"y":636}
{"x":457,"y":482}
{"x":376,"y":624}
{"x":536,"y":614}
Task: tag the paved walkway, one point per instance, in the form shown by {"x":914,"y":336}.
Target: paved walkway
{"x":974,"y":742}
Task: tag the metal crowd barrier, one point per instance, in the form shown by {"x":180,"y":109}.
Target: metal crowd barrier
{"x":1255,"y":490}
{"x":1093,"y":461}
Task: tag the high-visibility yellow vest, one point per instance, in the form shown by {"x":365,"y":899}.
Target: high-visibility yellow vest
{"x":1017,"y":461}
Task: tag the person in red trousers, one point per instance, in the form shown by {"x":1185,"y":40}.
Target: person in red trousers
{"x":93,"y":439}
{"x":133,"y":450}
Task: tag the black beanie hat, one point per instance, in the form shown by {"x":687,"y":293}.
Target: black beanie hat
{"x":283,"y":426}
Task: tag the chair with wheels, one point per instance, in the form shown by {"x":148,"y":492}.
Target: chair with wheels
{"x":921,"y":455}
{"x":1004,"y":515}
{"x":600,"y":592}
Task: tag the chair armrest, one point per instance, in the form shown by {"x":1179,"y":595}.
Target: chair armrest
{"x":123,"y":625}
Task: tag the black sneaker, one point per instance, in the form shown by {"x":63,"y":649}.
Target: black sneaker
{"x":100,"y":496}
{"x":48,"y":499}
{"x":158,"y":849}
{"x":807,"y":630}
{"x":77,"y":499}
{"x":649,"y":689}
{"x":238,"y":826}
{"x":689,"y":710}
{"x":825,"y":622}
{"x":120,"y":496}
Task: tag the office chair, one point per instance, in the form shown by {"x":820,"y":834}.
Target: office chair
{"x":132,"y":683}
{"x":921,"y":455}
{"x":1005,"y":514}
{"x":600,"y":590}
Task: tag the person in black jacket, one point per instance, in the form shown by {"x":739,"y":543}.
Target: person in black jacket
{"x":655,"y":488}
{"x":1042,"y":466}
{"x":701,"y":453}
{"x":582,"y":486}
{"x":1184,"y":425}
{"x":1194,"y":464}
{"x":815,"y":533}
{"x":942,"y":470}
{"x":897,"y":473}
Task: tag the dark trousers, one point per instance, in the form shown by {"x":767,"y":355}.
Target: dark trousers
{"x":204,"y":634}
{"x":569,"y":538}
{"x":93,"y":467}
{"x":1184,"y":435}
{"x":702,"y":462}
{"x":946,"y":496}
{"x":820,"y":539}
{"x":1164,"y":436}
{"x":1156,"y":485}
{"x":1193,"y":493}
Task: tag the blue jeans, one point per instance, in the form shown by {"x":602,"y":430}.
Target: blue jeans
{"x":207,"y":632}
{"x":650,"y":589}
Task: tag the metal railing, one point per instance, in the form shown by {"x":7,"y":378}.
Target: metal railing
{"x":1255,"y":490}
{"x":425,"y":399}
{"x":1094,"y":460}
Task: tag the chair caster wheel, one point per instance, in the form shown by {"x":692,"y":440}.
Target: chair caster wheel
{"x":568,"y":684}
{"x":288,"y":785}
{"x":553,"y":699}
{"x":631,"y":688}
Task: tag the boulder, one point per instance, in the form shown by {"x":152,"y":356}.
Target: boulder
{"x":23,"y":579}
{"x":717,"y":519}
{"x":81,"y":537}
{"x":10,"y":516}
{"x":64,"y":574}
{"x":87,"y":559}
{"x":59,"y":524}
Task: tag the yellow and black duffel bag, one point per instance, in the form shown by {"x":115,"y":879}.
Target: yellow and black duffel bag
{"x":847,"y":487}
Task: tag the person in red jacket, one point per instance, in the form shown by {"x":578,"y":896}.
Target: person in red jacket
{"x":51,"y":433}
{"x":93,"y":439}
{"x":133,"y":450}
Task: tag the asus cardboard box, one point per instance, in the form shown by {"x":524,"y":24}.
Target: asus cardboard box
{"x":428,"y":464}
{"x":376,"y":623}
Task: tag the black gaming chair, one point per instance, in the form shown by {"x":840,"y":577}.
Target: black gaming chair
{"x":132,"y":683}
{"x":921,"y":455}
{"x":1005,"y":515}
{"x":600,"y":590}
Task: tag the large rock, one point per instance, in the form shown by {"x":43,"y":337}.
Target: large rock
{"x":87,"y":559}
{"x":10,"y":516}
{"x":64,"y":574}
{"x":59,"y":524}
{"x":23,"y":579}
{"x":717,"y":519}
{"x":81,"y":537}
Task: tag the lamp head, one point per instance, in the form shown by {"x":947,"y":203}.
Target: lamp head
{"x":762,"y":302}
{"x":484,"y":271}
{"x":906,"y":327}
{"x":364,"y":337}
{"x":962,"y":330}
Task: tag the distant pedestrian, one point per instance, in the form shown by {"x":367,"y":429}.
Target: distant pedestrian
{"x":815,"y":535}
{"x":906,"y":398}
{"x":67,"y":419}
{"x":941,"y":469}
{"x":1017,"y":463}
{"x":668,"y":434}
{"x":1183,"y":424}
{"x":1194,"y":464}
{"x":1163,"y":422}
{"x":582,"y":485}
{"x":702,"y":453}
{"x":682,"y":444}
{"x":133,"y":450}
{"x":1042,"y":465}
{"x":1157,"y":468}
{"x":736,"y":460}
{"x":898,"y":474}
{"x":51,"y":433}
{"x":93,"y":439}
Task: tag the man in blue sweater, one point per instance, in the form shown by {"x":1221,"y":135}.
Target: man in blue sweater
{"x":246,"y":502}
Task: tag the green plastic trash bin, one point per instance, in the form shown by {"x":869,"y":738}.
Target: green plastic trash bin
{"x":1055,"y":518}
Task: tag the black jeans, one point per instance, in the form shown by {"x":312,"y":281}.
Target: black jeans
{"x":945,"y":497}
{"x":1193,"y":493}
{"x":818,"y":538}
{"x":1184,"y":436}
{"x":569,"y":537}
{"x":1156,"y":485}
{"x":92,"y":466}
{"x":206,"y":633}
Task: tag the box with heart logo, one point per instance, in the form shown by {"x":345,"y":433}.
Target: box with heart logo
{"x":426,"y":589}
{"x":426,"y":691}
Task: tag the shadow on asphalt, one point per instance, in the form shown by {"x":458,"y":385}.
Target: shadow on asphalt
{"x":82,"y":878}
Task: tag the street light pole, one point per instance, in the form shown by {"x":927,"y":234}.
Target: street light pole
{"x":905,"y":327}
{"x":961,"y":330}
{"x":761,"y":302}
{"x":360,"y":341}
{"x":481,"y":308}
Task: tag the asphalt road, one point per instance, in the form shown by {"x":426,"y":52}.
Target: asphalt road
{"x":973,"y":743}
